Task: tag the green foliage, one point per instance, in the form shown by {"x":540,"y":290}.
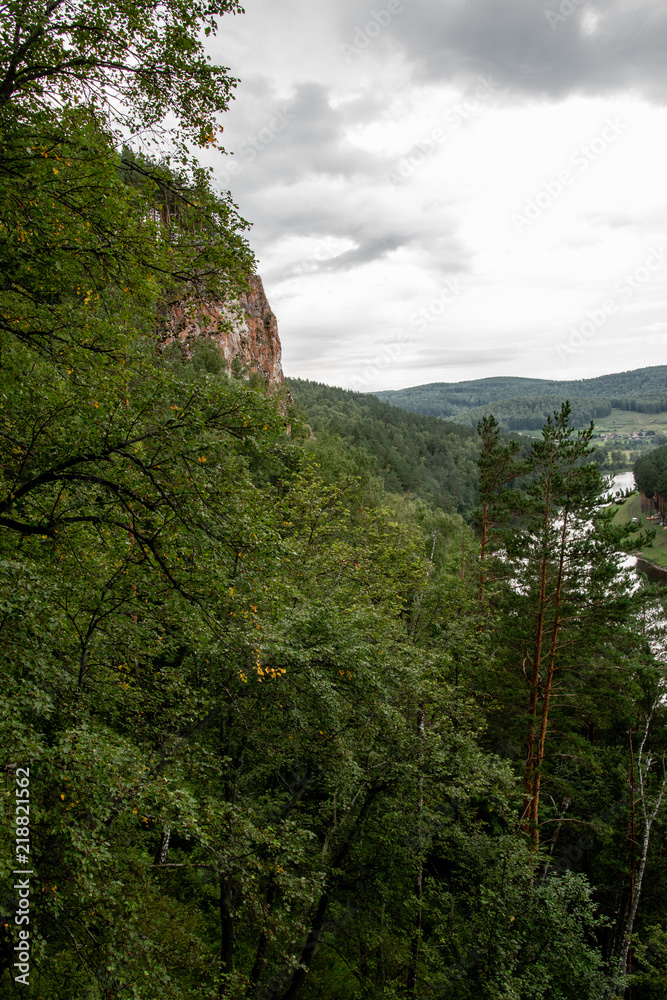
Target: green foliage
{"x":273,"y":713}
{"x":650,"y":954}
{"x":423,"y":456}
{"x":650,"y":473}
{"x":85,"y":257}
{"x":579,"y":649}
{"x":134,"y":64}
{"x":498,"y":469}
{"x":531,"y":414}
{"x":216,"y":671}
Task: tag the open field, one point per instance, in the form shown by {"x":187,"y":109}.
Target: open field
{"x":624,"y":423}
{"x":623,"y":450}
{"x":632,"y":508}
{"x":628,"y":421}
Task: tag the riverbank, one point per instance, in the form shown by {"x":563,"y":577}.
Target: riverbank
{"x":657,"y":554}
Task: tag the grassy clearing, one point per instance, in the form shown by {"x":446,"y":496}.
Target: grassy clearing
{"x":657,"y":554}
{"x":627,"y":422}
{"x":623,"y":422}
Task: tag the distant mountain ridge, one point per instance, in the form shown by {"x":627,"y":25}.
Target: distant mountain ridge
{"x":526,"y":402}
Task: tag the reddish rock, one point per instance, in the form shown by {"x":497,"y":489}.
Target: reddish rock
{"x":248,"y":331}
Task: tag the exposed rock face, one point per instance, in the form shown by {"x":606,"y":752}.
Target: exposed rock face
{"x":250,"y":335}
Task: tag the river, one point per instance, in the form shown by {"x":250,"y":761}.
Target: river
{"x":654,"y":574}
{"x":624,"y":481}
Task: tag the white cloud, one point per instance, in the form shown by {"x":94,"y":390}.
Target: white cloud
{"x":463,"y":142}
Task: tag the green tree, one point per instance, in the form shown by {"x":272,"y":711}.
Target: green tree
{"x":87,"y":257}
{"x":498,"y":467}
{"x":566,"y":587}
{"x":133,"y":64}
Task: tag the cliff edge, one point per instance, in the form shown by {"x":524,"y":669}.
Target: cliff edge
{"x":248,"y":333}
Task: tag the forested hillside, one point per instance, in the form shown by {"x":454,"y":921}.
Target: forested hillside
{"x":524,"y":403}
{"x":530,"y":413}
{"x":276,"y":720}
{"x":651,"y":473}
{"x":422,"y":455}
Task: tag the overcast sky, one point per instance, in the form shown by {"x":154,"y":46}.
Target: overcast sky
{"x":443,"y":190}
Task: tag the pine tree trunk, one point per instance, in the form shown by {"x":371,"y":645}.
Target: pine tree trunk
{"x":482,"y":553}
{"x":649,"y":817}
{"x":537,"y":661}
{"x":548,"y":684}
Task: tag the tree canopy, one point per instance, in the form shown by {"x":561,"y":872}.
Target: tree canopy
{"x":131,"y":63}
{"x":276,"y":720}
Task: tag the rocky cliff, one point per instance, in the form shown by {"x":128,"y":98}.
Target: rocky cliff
{"x":248,"y":332}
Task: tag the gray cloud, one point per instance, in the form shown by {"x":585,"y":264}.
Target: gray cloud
{"x":549,"y":48}
{"x":295,"y":171}
{"x":454,"y":357}
{"x":284,"y":155}
{"x":286,"y":141}
{"x":371,"y":248}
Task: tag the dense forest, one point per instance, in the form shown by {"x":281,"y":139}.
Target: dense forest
{"x":435,"y":460}
{"x":530,"y":414}
{"x":277,"y":720}
{"x":651,"y":473}
{"x":525,"y":404}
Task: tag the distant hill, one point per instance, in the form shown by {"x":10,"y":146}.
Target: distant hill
{"x":525,"y":403}
{"x":413,"y":453}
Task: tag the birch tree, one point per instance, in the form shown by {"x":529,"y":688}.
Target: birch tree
{"x":650,"y":786}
